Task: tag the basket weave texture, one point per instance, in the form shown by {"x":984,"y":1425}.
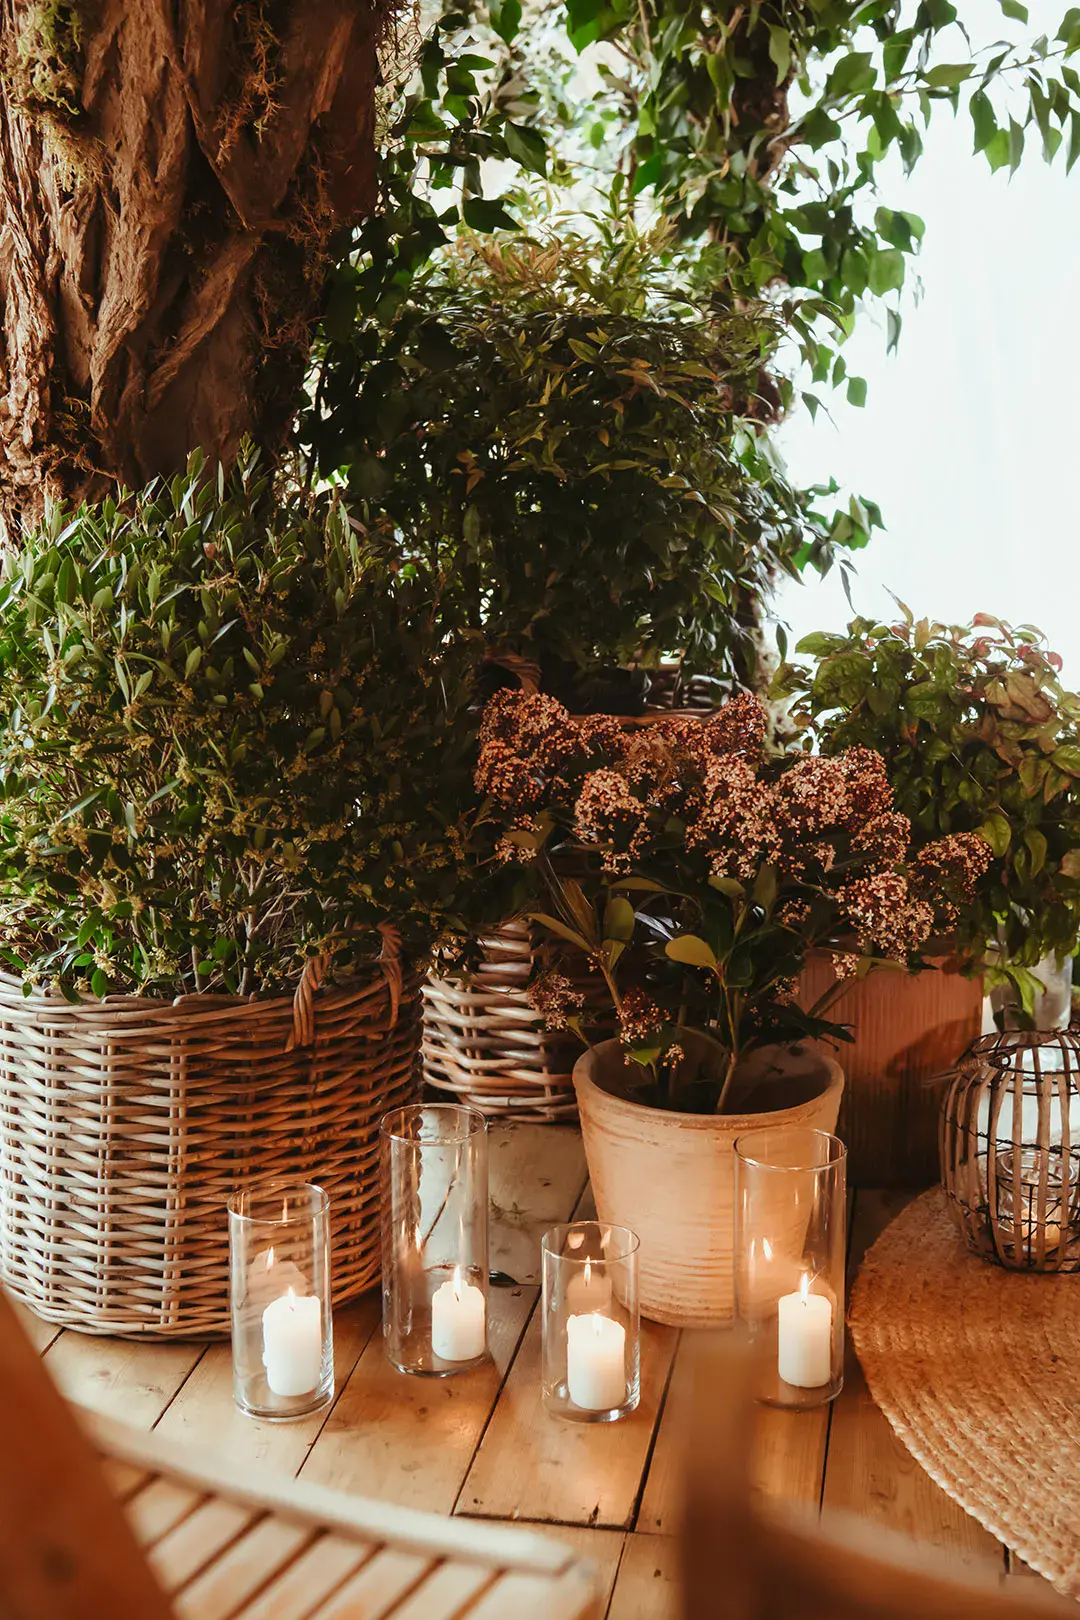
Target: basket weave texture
{"x":484,"y":1044}
{"x":126,"y":1123}
{"x":975,"y":1369}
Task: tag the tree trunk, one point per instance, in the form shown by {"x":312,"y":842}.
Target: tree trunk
{"x":173,"y":175}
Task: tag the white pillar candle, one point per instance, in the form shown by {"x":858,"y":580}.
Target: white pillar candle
{"x":590,"y":1290}
{"x":292,"y":1344}
{"x":458,"y":1322}
{"x":595,"y":1362}
{"x":804,"y":1341}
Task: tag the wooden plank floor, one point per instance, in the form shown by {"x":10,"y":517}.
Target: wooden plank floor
{"x":481,"y":1445}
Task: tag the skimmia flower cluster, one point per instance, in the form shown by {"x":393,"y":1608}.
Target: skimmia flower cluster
{"x":693,"y":850}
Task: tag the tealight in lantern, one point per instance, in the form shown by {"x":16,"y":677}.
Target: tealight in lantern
{"x":790,"y":1222}
{"x":282,"y":1333}
{"x":435,"y":1238}
{"x":1010,"y":1149}
{"x":590,"y":1321}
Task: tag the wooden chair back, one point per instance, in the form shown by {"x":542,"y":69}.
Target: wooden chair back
{"x":102,"y":1522}
{"x":66,"y":1550}
{"x":745,"y":1560}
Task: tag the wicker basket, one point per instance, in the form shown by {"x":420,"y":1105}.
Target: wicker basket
{"x":125,"y":1124}
{"x":486,"y":1046}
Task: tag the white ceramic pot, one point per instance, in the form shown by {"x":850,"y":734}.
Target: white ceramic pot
{"x":670,"y":1176}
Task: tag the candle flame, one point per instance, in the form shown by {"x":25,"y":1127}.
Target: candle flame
{"x":457,"y":1282}
{"x":767,"y":1246}
{"x":804,"y":1287}
{"x":596,"y":1319}
{"x":588,"y":1272}
{"x":290,"y":1294}
{"x":269,"y":1257}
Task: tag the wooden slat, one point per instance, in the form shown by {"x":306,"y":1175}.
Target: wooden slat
{"x":411,"y":1440}
{"x":647,"y":1585}
{"x":601,"y":1548}
{"x":533,"y":1466}
{"x":159,"y":1507}
{"x":122,"y":1479}
{"x":499,"y":1545}
{"x":449,"y":1591}
{"x":323,"y":1567}
{"x":513,"y":1597}
{"x":382,"y":1582}
{"x":178,"y":1557}
{"x":244,"y":1569}
{"x":205,"y":1416}
{"x":134,"y":1382}
{"x":869,"y":1472}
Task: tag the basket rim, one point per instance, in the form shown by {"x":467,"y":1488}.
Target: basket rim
{"x":204,"y":1003}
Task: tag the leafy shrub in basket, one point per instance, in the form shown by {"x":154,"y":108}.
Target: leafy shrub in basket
{"x":978,"y":735}
{"x":229,"y":739}
{"x":566,"y":439}
{"x":695,"y":873}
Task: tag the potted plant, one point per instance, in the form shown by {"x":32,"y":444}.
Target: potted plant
{"x":569,"y":437}
{"x":227,"y":763}
{"x":695,"y":873}
{"x":978,"y":735}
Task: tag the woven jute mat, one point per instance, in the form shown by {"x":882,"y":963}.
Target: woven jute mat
{"x":978,"y":1371}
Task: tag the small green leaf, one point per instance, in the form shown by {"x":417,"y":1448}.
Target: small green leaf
{"x":619,"y":920}
{"x":691,"y":950}
{"x":554,"y":926}
{"x":949,"y":75}
{"x":997,"y":832}
{"x":780,"y":51}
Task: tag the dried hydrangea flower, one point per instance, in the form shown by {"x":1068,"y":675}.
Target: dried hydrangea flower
{"x":885,"y":914}
{"x":953,"y":864}
{"x":640,"y":1019}
{"x":885,"y":838}
{"x":556,"y":998}
{"x":607,"y":812}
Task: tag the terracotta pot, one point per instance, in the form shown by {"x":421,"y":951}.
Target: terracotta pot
{"x":910,"y":1029}
{"x":670,"y":1176}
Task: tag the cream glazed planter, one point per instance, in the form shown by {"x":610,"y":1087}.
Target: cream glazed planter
{"x":671,"y":1176}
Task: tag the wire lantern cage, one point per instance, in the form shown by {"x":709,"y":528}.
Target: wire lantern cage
{"x":1010,"y":1149}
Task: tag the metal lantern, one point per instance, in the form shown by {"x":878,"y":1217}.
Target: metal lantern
{"x":1010,"y":1149}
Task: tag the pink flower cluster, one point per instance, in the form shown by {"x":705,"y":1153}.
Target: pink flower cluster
{"x":688,"y":790}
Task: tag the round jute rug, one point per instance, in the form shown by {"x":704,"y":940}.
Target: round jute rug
{"x":978,"y":1371}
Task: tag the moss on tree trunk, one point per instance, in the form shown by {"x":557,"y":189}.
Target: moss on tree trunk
{"x":173,"y":174}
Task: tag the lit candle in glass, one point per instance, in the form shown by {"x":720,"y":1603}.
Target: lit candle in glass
{"x":293,"y":1344}
{"x":595,"y":1362}
{"x":804,"y":1338}
{"x":458,"y":1320}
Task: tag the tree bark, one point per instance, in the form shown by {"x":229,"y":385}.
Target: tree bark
{"x":173,"y":174}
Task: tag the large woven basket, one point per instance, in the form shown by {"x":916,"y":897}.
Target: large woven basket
{"x":126,"y":1123}
{"x":484,"y":1044}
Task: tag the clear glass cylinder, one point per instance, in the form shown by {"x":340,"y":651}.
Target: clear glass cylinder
{"x":790,"y":1251}
{"x":591,"y":1322}
{"x":435,"y":1238}
{"x":282,"y":1323}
